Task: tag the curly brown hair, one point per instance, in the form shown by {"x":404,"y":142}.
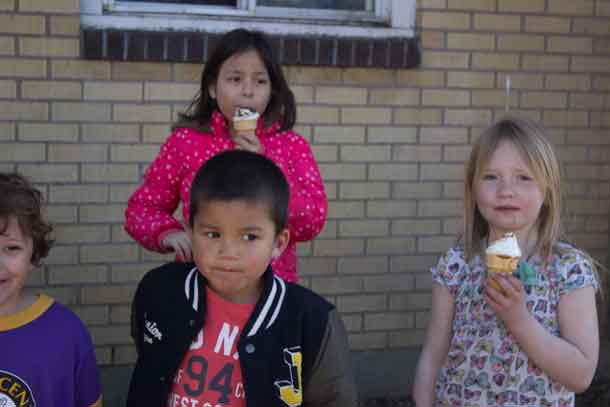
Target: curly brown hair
{"x":20,"y":199}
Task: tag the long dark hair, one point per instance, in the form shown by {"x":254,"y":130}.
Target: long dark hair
{"x":281,"y":104}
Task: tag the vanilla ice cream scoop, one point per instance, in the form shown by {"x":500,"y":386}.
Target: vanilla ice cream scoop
{"x":245,"y":118}
{"x":506,"y":246}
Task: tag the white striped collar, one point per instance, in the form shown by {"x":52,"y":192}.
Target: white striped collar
{"x":191,"y":282}
{"x":272,"y":306}
{"x":269,"y":312}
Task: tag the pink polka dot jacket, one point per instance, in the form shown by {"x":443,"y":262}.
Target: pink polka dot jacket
{"x":167,"y":182}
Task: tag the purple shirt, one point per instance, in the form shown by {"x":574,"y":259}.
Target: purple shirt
{"x":47,"y":359}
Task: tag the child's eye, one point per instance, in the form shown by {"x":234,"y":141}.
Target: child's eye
{"x":12,"y":248}
{"x":212,"y":235}
{"x":234,"y":79}
{"x":525,"y":178}
{"x":262,"y":81}
{"x":249,"y":237}
{"x":489,"y":177}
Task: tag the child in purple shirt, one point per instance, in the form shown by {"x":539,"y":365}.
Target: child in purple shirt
{"x":46,"y":354}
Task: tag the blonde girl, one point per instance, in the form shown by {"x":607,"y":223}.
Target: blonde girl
{"x":536,"y":343}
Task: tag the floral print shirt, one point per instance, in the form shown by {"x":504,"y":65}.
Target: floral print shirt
{"x":484,"y":365}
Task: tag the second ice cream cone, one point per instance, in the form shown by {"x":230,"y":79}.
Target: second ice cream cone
{"x":499,"y":264}
{"x":502,"y":257}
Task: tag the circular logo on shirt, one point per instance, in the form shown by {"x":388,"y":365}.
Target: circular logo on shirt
{"x":14,"y":391}
{"x":6,"y":402}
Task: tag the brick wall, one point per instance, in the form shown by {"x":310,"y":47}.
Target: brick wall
{"x":390,"y":144}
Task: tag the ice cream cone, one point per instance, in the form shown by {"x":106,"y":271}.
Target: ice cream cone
{"x":502,"y":257}
{"x":244,"y":124}
{"x":245,"y":119}
{"x":502,"y":265}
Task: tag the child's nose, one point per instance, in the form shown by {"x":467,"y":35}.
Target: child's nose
{"x":247,"y":88}
{"x":506,"y":188}
{"x":228,"y":248}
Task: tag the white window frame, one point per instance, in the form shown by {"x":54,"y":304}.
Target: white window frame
{"x":389,"y":18}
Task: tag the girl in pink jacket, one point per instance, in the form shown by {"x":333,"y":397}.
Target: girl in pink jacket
{"x":241,"y":77}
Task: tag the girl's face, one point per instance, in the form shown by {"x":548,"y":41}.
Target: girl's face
{"x":15,"y":265}
{"x":507,"y":194}
{"x":243,"y":81}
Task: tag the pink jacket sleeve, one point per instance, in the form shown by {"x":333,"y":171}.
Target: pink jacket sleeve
{"x":308,"y":205}
{"x":149,"y":213}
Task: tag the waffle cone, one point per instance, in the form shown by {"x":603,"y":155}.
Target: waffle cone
{"x":498,"y":264}
{"x":241,"y":125}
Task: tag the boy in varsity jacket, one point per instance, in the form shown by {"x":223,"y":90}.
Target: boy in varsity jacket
{"x":225,"y":331}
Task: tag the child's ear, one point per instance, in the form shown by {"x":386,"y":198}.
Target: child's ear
{"x":212,"y":90}
{"x":281,"y":241}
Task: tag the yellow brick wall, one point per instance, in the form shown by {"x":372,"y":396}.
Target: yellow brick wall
{"x":390,"y":145}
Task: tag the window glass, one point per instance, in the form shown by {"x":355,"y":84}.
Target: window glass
{"x":352,"y":5}
{"x":203,"y":2}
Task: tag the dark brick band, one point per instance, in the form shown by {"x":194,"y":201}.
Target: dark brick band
{"x":124,"y":45}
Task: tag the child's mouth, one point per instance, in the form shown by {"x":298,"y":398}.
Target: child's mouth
{"x":507,"y":208}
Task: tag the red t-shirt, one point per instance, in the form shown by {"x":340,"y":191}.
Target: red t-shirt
{"x":210,"y":373}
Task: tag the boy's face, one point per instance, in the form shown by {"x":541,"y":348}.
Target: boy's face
{"x":233,"y":243}
{"x":15,"y":265}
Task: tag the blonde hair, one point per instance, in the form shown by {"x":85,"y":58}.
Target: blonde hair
{"x":530,"y":140}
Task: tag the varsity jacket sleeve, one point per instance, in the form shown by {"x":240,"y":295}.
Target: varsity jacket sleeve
{"x":135,"y":323}
{"x":149,"y":213}
{"x":332,"y":382}
{"x":308,"y":205}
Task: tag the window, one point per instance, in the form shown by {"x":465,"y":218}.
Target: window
{"x":260,"y":5}
{"x":355,"y":5}
{"x":361,"y":5}
{"x":309,"y":32}
{"x":365,"y":18}
{"x":207,"y":2}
